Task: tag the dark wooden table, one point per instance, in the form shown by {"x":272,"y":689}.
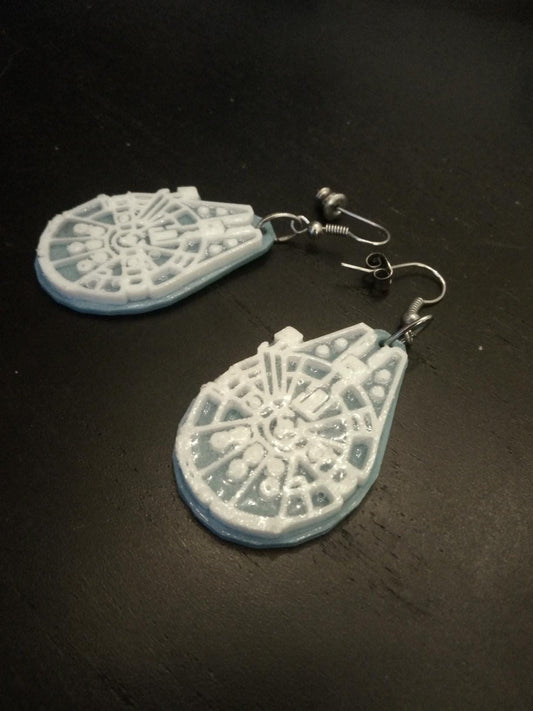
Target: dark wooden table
{"x":113,"y":595}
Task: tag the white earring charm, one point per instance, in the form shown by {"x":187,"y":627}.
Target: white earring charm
{"x":137,"y":252}
{"x":285,"y":444}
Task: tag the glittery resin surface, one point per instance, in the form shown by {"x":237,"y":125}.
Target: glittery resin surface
{"x":286,"y":443}
{"x":137,"y":252}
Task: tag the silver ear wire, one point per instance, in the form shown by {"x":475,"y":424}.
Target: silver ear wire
{"x":300,"y":224}
{"x":334,"y":204}
{"x":382,"y":272}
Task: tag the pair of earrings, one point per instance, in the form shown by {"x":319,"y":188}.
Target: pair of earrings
{"x":286,"y":443}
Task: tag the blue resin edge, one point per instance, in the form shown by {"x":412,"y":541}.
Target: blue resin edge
{"x":302,"y":535}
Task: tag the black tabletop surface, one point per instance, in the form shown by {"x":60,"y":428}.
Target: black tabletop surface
{"x":113,"y":594}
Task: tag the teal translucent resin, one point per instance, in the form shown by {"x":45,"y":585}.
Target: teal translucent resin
{"x":286,"y":443}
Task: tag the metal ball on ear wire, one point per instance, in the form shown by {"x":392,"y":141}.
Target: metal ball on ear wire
{"x":315,"y":229}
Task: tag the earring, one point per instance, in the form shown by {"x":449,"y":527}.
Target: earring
{"x":286,"y":443}
{"x":126,"y":254}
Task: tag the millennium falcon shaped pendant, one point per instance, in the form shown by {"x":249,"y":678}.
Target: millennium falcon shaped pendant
{"x":137,"y":252}
{"x":285,"y":444}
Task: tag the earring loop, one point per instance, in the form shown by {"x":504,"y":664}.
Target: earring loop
{"x":298,"y":224}
{"x":408,"y":331}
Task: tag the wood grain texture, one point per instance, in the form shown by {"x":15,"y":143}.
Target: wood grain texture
{"x":113,"y":595}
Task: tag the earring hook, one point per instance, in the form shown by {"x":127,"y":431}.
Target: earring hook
{"x":333,"y":204}
{"x":300,"y":223}
{"x":382,"y":272}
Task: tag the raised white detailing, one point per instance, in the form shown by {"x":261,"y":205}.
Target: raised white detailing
{"x":142,"y":248}
{"x":284,"y":444}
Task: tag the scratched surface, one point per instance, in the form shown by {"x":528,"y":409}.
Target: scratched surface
{"x":113,"y":595}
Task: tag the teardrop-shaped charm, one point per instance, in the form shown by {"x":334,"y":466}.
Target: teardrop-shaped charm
{"x":285,"y":444}
{"x":137,"y":252}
